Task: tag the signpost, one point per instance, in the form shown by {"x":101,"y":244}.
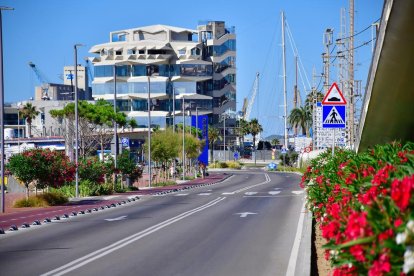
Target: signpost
{"x":125,"y":141}
{"x":334,"y":111}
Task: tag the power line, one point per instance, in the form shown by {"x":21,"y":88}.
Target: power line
{"x":339,"y":39}
{"x":363,"y":44}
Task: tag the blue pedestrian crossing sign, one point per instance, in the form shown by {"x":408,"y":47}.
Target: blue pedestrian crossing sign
{"x":125,"y":141}
{"x":333,"y":116}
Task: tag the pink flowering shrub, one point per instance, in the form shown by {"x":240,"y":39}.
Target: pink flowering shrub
{"x":364,"y":204}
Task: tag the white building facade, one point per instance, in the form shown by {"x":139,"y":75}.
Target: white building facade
{"x":158,"y":62}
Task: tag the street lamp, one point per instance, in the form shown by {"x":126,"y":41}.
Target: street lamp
{"x":18,"y":125}
{"x":115,"y":131}
{"x":76,"y":122}
{"x":183,"y":138}
{"x":149,"y":73}
{"x":3,"y":200}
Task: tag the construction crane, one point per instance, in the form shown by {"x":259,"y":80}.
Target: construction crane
{"x":248,"y":104}
{"x":43,"y":80}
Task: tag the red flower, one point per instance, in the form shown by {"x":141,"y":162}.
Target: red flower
{"x":401,"y":191}
{"x":380,"y":266}
{"x":398,"y":222}
{"x":382,"y":175}
{"x":402,"y":156}
{"x":350,"y":178}
{"x":358,"y":252}
{"x":330,"y":230}
{"x":356,"y":226}
{"x":385,"y":235}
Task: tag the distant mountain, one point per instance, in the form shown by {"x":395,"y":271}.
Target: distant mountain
{"x":274,"y":136}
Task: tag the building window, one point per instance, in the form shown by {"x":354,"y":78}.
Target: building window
{"x":181,"y":52}
{"x":118,"y":37}
{"x":118,"y":53}
{"x":141,"y":52}
{"x":131,"y":51}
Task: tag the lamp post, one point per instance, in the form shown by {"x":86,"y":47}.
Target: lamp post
{"x":115,"y":131}
{"x":183,"y":138}
{"x":3,"y":200}
{"x":149,"y":124}
{"x":18,"y":126}
{"x":76,"y":122}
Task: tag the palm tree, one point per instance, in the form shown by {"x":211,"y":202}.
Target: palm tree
{"x":254,"y":129}
{"x":242,"y":130}
{"x":28,"y":112}
{"x":275,"y":141}
{"x":213,"y":136}
{"x":310,"y":97}
{"x":302,"y":117}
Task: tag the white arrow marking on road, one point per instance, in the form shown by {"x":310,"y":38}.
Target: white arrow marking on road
{"x":115,"y":219}
{"x":250,"y":193}
{"x":274,"y":192}
{"x":245,"y":214}
{"x":297,"y":192}
{"x":228,"y":193}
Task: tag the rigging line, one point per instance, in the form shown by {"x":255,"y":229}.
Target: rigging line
{"x":293,"y":45}
{"x":339,"y":39}
{"x":290,"y":35}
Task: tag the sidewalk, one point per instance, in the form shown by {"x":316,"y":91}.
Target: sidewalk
{"x":24,"y":217}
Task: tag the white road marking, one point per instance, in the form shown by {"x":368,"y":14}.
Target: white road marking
{"x":250,"y":193}
{"x":297,"y":192}
{"x":116,"y":219}
{"x":255,"y":185}
{"x":126,"y":241}
{"x":274,"y":192}
{"x":228,"y":193}
{"x":245,"y":214}
{"x":295,"y":248}
{"x":109,"y":197}
{"x":181,"y":194}
{"x":204,"y":194}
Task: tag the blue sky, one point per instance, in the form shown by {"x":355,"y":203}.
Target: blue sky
{"x":44,"y":32}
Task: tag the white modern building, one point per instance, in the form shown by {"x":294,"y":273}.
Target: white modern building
{"x":159,"y":61}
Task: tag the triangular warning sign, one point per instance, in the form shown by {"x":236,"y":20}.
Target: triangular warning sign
{"x":334,"y":96}
{"x":334,"y":117}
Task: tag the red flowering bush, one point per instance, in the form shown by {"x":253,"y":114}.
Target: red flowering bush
{"x":42,"y":167}
{"x":365,"y":208}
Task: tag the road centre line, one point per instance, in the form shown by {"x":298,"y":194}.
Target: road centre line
{"x":255,"y":185}
{"x":126,"y":241}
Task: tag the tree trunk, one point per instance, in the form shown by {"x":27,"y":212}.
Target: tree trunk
{"x":29,"y":130}
{"x":254,"y":147}
{"x":27,"y":190}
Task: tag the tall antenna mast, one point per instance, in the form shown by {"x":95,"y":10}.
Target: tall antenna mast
{"x":284,"y":78}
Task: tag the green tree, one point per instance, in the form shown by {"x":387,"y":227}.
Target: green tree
{"x":42,"y":167}
{"x":127,"y":166}
{"x":275,"y":141}
{"x":28,"y":112}
{"x":254,"y":129}
{"x":302,"y":117}
{"x":95,"y":124}
{"x":213,"y":136}
{"x":242,"y":130}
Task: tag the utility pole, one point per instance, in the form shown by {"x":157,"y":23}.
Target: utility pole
{"x":351,"y":75}
{"x":284,"y":79}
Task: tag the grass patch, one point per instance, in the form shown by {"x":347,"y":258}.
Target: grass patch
{"x":42,"y":200}
{"x":164,"y":184}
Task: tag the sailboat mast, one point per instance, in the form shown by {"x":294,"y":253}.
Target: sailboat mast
{"x":284,"y":78}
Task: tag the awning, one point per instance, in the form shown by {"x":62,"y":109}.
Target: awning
{"x":193,"y":97}
{"x":102,"y":80}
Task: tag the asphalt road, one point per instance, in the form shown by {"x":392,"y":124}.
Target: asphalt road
{"x":245,"y":225}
